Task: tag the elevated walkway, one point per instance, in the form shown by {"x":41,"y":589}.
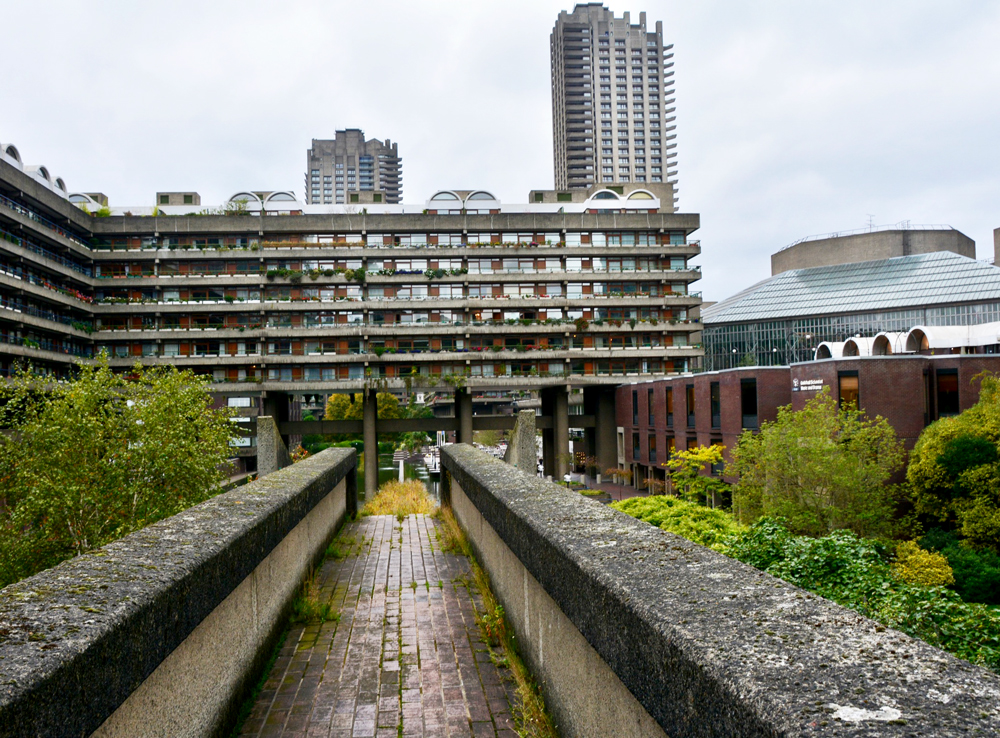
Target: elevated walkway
{"x":406,"y":657}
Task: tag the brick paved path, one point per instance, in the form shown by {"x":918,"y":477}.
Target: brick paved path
{"x":404,"y":660}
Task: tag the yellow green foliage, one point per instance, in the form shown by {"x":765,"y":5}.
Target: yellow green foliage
{"x":822,"y":468}
{"x":400,"y":499}
{"x":346,"y":407}
{"x":703,"y":525}
{"x":954,"y":475}
{"x":916,"y":565}
{"x":687,"y":472}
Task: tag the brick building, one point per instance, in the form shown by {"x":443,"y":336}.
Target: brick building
{"x":910,"y":391}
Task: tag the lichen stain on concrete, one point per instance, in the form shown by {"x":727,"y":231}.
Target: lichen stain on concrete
{"x":858,"y":714}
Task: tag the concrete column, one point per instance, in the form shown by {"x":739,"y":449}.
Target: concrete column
{"x":463,"y":411}
{"x":602,"y":439}
{"x":370,"y":416}
{"x":522,"y":450}
{"x":272,"y":454}
{"x":560,"y":421}
{"x":555,"y":441}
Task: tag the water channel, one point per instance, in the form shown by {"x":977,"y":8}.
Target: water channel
{"x":388,"y":471}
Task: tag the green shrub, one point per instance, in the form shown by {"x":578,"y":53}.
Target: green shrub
{"x":700,"y":524}
{"x":854,"y":572}
{"x":105,"y":456}
{"x":953,"y":474}
{"x":977,"y":573}
{"x":841,"y":566}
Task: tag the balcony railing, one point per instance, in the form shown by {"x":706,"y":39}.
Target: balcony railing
{"x":42,"y":251}
{"x":28,"y":213}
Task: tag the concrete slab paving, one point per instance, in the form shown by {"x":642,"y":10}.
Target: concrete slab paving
{"x":406,"y":658}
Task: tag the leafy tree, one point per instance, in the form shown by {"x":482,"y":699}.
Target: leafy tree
{"x":106,"y":456}
{"x":954,"y":474}
{"x":822,"y":468}
{"x":687,"y":473}
{"x":340,"y":407}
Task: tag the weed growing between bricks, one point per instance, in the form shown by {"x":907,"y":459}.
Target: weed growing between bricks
{"x":530,"y":715}
{"x":251,"y":699}
{"x":306,"y":608}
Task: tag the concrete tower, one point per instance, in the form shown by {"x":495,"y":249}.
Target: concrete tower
{"x":339,"y":170}
{"x":612,"y":101}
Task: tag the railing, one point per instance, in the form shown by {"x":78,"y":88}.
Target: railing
{"x":39,"y":281}
{"x":42,"y":251}
{"x":631,"y":630}
{"x":45,"y":344}
{"x":28,"y":309}
{"x":28,"y":213}
{"x":199,"y":599}
{"x":903,"y":225}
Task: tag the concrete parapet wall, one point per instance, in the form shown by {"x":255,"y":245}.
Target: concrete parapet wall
{"x":706,"y":645}
{"x":163,"y":632}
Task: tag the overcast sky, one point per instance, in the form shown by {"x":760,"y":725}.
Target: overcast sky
{"x":794,"y":118}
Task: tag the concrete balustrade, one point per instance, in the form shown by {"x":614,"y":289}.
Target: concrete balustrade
{"x":633,"y":631}
{"x":164,"y":632}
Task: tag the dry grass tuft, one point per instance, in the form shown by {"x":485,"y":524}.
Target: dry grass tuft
{"x":400,"y":499}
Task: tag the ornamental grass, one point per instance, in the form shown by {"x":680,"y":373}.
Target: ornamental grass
{"x":400,"y":499}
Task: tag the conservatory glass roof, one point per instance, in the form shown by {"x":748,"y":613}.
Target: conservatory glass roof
{"x":919,"y":280}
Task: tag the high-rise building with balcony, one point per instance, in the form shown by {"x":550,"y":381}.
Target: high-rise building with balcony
{"x":278,"y":296}
{"x":347,"y":169}
{"x":612,"y":102}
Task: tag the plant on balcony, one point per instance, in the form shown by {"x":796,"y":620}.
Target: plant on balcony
{"x":582,"y":324}
{"x":631,"y":323}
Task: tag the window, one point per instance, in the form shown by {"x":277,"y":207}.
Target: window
{"x":689,"y":400}
{"x":670,"y":407}
{"x":651,"y":407}
{"x":636,"y":451}
{"x":354,"y":197}
{"x":748,"y":402}
{"x":635,"y":407}
{"x":847,"y":383}
{"x":164,"y":199}
{"x":188,"y":199}
{"x":947,"y":392}
{"x":715,"y":404}
{"x":652,"y":448}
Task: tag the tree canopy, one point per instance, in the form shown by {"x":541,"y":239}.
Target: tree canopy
{"x":954,"y":474}
{"x":822,"y":468}
{"x":104,"y":456}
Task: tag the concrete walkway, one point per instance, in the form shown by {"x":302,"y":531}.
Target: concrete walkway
{"x":406,"y":658}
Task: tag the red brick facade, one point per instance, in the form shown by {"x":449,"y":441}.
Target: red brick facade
{"x":909,"y":391}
